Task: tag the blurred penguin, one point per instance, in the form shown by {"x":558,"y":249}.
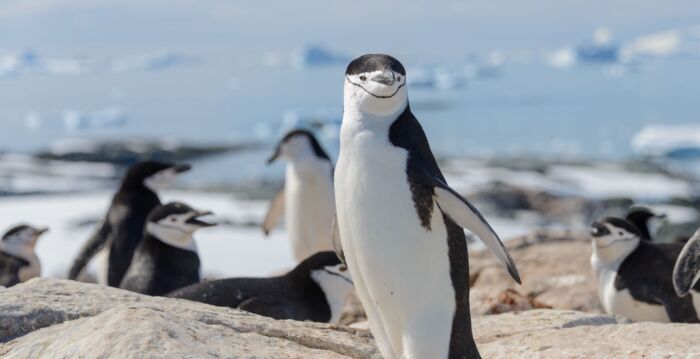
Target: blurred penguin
{"x":121,"y":230}
{"x":167,"y":258}
{"x":18,"y":260}
{"x":307,"y":198}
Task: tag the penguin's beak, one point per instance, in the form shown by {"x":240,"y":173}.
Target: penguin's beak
{"x":385,"y":78}
{"x":275,"y":155}
{"x":599,"y":230}
{"x":194,"y":219}
{"x":182,"y":168}
{"x":41,"y":230}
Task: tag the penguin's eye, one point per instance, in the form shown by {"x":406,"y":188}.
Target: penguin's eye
{"x":398,"y":78}
{"x":173,"y":219}
{"x":342,"y":268}
{"x":620,"y":233}
{"x":363,"y":78}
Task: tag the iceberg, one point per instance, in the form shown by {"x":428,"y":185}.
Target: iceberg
{"x":670,"y":141}
{"x":150,"y":61}
{"x":317,"y":56}
{"x":108,"y":117}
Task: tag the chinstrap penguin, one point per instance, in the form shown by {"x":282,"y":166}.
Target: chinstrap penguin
{"x":315,"y":290}
{"x":121,"y":230}
{"x":307,"y":198}
{"x":18,"y":260}
{"x":635,"y":276}
{"x":167,"y":258}
{"x":646,"y":220}
{"x":399,"y":223}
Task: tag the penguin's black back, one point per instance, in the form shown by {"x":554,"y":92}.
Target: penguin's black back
{"x":127,"y":218}
{"x":158,"y":268}
{"x":9,"y":269}
{"x":647,"y":273}
{"x":406,"y":132}
{"x":291,"y":296}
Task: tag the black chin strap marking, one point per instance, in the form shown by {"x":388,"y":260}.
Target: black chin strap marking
{"x":377,"y":96}
{"x":338,"y":275}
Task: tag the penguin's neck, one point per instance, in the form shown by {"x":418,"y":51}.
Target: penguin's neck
{"x":172,"y":236}
{"x":336,"y":291}
{"x":610,"y":258}
{"x":309,"y":168}
{"x":22,"y":251}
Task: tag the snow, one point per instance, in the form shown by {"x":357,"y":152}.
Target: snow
{"x":588,"y":181}
{"x":562,"y":58}
{"x":20,"y":174}
{"x":660,"y":139}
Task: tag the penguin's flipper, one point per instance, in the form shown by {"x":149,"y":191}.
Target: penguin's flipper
{"x":90,"y":248}
{"x":467,"y":216}
{"x":274,"y":213}
{"x":266,"y":308}
{"x":337,"y":244}
{"x":686,"y":272}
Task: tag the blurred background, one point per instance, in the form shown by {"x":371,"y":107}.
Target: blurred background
{"x":545,"y":113}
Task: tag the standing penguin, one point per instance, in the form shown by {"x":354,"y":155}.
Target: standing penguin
{"x":315,"y":290}
{"x":399,"y":222}
{"x":18,"y":260}
{"x":635,"y":275}
{"x":121,"y":229}
{"x":166,"y":259}
{"x":307,"y":196}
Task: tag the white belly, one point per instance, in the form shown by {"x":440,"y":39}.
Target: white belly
{"x":400,"y":269}
{"x":622,"y":303}
{"x":309,"y":208}
{"x":696,"y":301}
{"x":30,"y":271}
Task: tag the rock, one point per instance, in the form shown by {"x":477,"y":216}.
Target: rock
{"x":569,"y":334}
{"x":66,"y":319}
{"x":555,"y":268}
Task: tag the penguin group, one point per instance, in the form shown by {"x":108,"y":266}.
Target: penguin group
{"x":642,"y":278}
{"x":382,"y":223}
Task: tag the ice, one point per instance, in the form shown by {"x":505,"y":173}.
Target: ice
{"x":29,"y":62}
{"x":663,"y":140}
{"x":562,"y":58}
{"x":149,"y":61}
{"x":316,"y":56}
{"x":107,"y":117}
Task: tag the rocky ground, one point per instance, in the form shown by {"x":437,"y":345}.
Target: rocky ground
{"x":64,"y":319}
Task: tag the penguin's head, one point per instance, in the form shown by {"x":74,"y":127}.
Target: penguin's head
{"x":614,"y":237}
{"x":297,"y":144}
{"x":175,"y":223}
{"x":22,"y":238}
{"x":325,"y":266}
{"x":375,"y":84}
{"x":645,"y":219}
{"x":153,"y":175}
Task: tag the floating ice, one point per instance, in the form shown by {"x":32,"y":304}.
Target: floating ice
{"x":150,"y":61}
{"x":108,"y":117}
{"x":668,"y":140}
{"x":316,"y":56}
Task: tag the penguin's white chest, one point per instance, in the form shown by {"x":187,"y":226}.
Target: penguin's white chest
{"x":622,"y":302}
{"x":30,"y":271}
{"x":309,"y":209}
{"x":401,"y":270}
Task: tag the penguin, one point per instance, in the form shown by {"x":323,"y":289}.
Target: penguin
{"x":644,"y":219}
{"x":121,"y":229}
{"x":166,"y":259}
{"x":18,"y":260}
{"x":315,"y":290}
{"x":399,"y":224}
{"x":307,"y":198}
{"x":635,"y":276}
{"x":686,"y":271}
